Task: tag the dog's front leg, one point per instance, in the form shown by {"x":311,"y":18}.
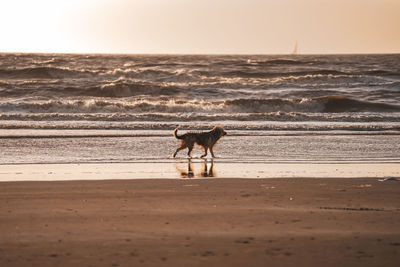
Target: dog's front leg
{"x":190,"y":151}
{"x":212,"y":152}
{"x":205,"y":152}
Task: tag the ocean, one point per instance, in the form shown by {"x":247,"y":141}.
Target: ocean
{"x":62,"y":108}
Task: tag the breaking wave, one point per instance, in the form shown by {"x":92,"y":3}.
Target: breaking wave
{"x":266,"y":74}
{"x":123,"y":88}
{"x":329,"y":104}
{"x":48,"y":72}
{"x":198,"y":117}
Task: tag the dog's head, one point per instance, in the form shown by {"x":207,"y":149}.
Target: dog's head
{"x":219,"y":130}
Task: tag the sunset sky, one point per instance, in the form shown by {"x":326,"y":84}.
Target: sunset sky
{"x":200,"y":26}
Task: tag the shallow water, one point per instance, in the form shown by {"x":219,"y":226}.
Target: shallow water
{"x":92,"y":146}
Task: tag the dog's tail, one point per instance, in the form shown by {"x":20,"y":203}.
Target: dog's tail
{"x":176,"y":134}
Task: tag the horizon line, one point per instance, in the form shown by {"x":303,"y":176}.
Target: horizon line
{"x":202,"y":54}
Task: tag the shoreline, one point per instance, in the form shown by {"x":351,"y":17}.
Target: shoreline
{"x":200,"y":222}
{"x":196,"y":168}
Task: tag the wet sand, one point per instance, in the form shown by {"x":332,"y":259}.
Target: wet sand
{"x":195,"y":168}
{"x":201,"y":222}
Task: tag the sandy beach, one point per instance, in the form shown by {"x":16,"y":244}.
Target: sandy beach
{"x":200,"y":133}
{"x":201,"y":222}
{"x":87,"y":178}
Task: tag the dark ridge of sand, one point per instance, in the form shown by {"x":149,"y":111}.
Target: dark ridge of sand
{"x":210,"y":222}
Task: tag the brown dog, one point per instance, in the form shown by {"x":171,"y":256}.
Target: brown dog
{"x":206,"y":140}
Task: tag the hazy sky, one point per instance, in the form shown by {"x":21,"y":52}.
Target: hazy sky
{"x":200,"y":26}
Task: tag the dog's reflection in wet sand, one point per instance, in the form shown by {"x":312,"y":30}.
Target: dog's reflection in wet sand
{"x":207,"y":171}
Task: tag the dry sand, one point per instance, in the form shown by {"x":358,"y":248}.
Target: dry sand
{"x":209,"y":222}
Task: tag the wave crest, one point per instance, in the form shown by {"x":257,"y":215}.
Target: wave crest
{"x":122,"y":88}
{"x":329,"y":104}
